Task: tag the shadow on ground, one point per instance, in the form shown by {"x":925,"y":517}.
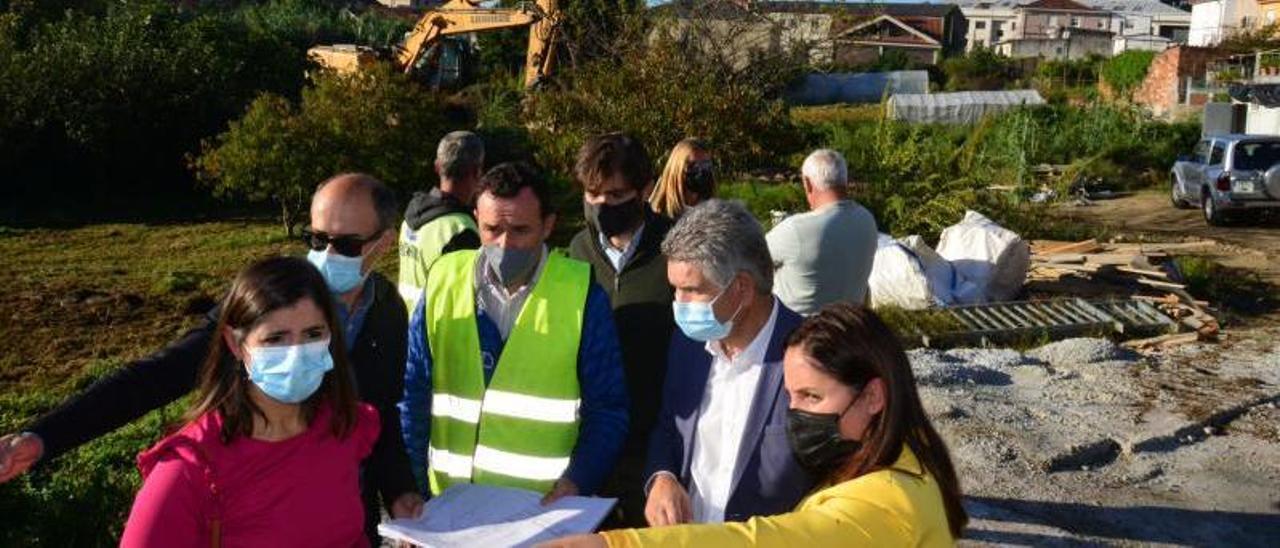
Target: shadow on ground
{"x":999,"y":521}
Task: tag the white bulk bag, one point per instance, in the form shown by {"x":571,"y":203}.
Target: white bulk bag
{"x":897,"y":277}
{"x":990,"y":261}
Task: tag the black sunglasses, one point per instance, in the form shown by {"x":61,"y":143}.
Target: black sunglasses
{"x":348,"y":245}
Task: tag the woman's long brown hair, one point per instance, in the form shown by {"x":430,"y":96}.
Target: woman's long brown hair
{"x":263,"y":287}
{"x":853,"y":345}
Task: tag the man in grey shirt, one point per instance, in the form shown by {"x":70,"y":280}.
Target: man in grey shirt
{"x":824,"y":255}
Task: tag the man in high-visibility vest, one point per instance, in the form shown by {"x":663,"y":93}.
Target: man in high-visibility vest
{"x":439,"y":221}
{"x":514,"y":376}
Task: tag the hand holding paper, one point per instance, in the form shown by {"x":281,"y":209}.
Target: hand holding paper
{"x":484,"y":515}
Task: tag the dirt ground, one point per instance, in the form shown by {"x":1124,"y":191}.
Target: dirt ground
{"x":1084,"y":443}
{"x":1252,"y":244}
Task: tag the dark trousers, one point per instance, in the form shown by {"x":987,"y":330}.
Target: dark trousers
{"x":627,"y":485}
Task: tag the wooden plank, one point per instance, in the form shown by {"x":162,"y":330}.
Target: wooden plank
{"x":1167,"y":299}
{"x":1158,"y":274}
{"x":1161,"y":285}
{"x":1092,"y":269}
{"x":1156,"y":247}
{"x":1163,"y":341}
{"x":1062,"y":258}
{"x":1088,"y":246}
{"x":1117,"y":259}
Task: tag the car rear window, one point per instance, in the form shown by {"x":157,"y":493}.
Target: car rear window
{"x":1259,"y":156}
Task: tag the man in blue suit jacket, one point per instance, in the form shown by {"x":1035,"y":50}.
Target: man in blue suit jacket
{"x":719,"y":451}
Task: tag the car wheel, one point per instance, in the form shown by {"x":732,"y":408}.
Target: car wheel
{"x":1174,"y":199}
{"x":1212,"y":214}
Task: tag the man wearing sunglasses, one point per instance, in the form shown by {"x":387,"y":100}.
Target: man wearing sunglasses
{"x":352,"y":225}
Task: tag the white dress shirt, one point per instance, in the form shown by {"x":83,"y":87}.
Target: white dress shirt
{"x":722,"y":418}
{"x":502,"y":306}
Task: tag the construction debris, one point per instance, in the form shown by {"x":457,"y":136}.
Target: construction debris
{"x":1123,"y":267}
{"x":1085,"y":288}
{"x":1021,"y":321}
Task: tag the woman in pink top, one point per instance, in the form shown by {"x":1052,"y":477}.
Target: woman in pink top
{"x":270,"y":452}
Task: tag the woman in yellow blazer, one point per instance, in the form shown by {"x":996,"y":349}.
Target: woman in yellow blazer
{"x":856,"y":420}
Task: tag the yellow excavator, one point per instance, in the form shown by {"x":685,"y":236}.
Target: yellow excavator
{"x":434,"y":50}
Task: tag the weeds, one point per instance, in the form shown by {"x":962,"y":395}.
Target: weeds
{"x":1235,"y":290}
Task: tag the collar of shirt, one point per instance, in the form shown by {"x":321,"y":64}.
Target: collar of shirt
{"x":495,"y":301}
{"x":619,"y":257}
{"x":754,"y":353}
{"x":352,"y":320}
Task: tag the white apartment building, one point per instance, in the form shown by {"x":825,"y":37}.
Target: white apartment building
{"x":1213,"y":20}
{"x":1137,"y":24}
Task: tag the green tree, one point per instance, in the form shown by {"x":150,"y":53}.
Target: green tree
{"x":377,"y":122}
{"x":664,"y":89}
{"x":980,"y":69}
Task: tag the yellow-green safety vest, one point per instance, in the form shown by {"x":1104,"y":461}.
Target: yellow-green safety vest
{"x":521,"y":430}
{"x":420,"y":248}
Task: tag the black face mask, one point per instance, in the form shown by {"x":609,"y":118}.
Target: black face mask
{"x":700,"y":179}
{"x":614,"y":219}
{"x":815,"y":439}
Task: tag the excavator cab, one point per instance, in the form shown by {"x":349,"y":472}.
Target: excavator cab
{"x":447,"y":64}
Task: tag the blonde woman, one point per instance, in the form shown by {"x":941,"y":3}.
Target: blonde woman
{"x":687,"y":180}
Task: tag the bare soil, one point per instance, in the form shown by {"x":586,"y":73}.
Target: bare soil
{"x":1251,"y":243}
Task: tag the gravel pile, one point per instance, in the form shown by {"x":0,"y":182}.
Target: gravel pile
{"x":1077,"y":351}
{"x":936,"y":368}
{"x":995,"y":358}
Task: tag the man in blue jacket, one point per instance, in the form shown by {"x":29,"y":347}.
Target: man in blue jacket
{"x":719,"y":451}
{"x":514,"y":376}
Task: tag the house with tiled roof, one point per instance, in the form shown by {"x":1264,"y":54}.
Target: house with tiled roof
{"x":1048,"y":18}
{"x":840,"y":33}
{"x":1136,"y":24}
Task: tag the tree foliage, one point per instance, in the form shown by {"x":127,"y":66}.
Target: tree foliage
{"x":662,"y":89}
{"x":377,"y":121}
{"x":980,"y":69}
{"x":100,"y":94}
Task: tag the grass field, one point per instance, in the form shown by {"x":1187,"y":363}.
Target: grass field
{"x":79,"y":303}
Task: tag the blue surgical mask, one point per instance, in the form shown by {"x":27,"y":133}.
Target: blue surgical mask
{"x":698,"y":320}
{"x":290,"y":374}
{"x":341,"y":273}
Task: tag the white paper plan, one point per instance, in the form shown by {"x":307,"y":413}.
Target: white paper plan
{"x":492,"y":517}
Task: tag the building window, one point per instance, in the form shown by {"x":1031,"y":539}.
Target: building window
{"x":980,"y":25}
{"x":1075,"y":21}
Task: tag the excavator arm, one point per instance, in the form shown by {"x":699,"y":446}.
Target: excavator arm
{"x":465,"y":16}
{"x":460,"y":17}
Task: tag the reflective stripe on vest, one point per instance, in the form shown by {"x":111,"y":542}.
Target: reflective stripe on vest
{"x":421,"y":248}
{"x":521,"y":430}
